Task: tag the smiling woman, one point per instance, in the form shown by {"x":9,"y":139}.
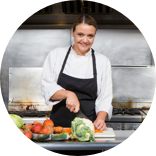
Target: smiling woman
{"x":84,"y":35}
{"x":77,"y":77}
{"x":83,"y":30}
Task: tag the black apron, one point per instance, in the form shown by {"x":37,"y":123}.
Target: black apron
{"x":86,"y":91}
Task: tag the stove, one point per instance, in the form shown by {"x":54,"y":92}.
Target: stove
{"x":116,"y":111}
{"x":127,"y":115}
{"x":31,"y":113}
{"x":30,"y":116}
{"x":122,"y":118}
{"x":123,"y":111}
{"x":126,"y":118}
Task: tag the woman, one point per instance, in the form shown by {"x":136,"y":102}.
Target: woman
{"x":77,"y":77}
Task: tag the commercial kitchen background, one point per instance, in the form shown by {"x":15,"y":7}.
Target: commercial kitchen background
{"x":133,"y":70}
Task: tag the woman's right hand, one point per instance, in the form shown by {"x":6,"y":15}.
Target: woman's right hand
{"x":72,"y":102}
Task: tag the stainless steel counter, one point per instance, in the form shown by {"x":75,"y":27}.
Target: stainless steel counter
{"x":98,"y":144}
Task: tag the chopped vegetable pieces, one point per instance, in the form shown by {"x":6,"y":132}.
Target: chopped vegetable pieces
{"x":98,"y":131}
{"x":68,"y":130}
{"x":58,"y":129}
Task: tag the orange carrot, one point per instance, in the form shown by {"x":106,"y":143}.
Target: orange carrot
{"x":68,"y":130}
{"x":98,"y":131}
{"x":58,"y":129}
{"x":36,"y":122}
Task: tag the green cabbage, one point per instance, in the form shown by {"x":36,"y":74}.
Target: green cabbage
{"x":17,"y":120}
{"x":82,"y":129}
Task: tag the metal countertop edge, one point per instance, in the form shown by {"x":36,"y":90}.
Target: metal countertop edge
{"x":79,"y":146}
{"x":61,"y":145}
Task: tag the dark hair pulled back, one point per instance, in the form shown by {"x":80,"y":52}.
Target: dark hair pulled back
{"x":87,"y":19}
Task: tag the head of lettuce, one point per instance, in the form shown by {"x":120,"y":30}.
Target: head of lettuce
{"x":17,"y":120}
{"x":83,"y":129}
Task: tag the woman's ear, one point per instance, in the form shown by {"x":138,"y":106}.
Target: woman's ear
{"x":95,"y":32}
{"x":72,"y":32}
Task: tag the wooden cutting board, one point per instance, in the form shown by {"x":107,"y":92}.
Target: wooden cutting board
{"x":109,"y":133}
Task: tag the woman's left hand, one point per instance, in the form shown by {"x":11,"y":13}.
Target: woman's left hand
{"x":99,"y":123}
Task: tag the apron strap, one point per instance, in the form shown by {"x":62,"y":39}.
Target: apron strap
{"x":94,"y":64}
{"x":94,"y":69}
{"x":65,"y":59}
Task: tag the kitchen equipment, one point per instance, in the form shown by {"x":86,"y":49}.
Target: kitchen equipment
{"x":126,"y":118}
{"x":81,"y":115}
{"x":41,"y":137}
{"x":120,"y":119}
{"x":50,"y":137}
{"x":26,"y":101}
{"x":109,"y":133}
{"x":30,"y":113}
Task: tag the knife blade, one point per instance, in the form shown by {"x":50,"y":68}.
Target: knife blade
{"x":81,"y":115}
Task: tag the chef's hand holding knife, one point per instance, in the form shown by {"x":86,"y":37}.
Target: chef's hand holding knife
{"x":73,"y":104}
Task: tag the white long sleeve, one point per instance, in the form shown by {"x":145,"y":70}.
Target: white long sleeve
{"x":104,"y":99}
{"x":49,"y":85}
{"x":78,"y":67}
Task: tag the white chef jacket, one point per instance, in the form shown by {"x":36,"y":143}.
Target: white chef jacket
{"x":79,"y":67}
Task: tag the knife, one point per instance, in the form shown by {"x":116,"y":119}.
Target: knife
{"x":81,"y":115}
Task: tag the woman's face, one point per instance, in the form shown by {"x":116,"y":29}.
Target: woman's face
{"x":84,"y":35}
